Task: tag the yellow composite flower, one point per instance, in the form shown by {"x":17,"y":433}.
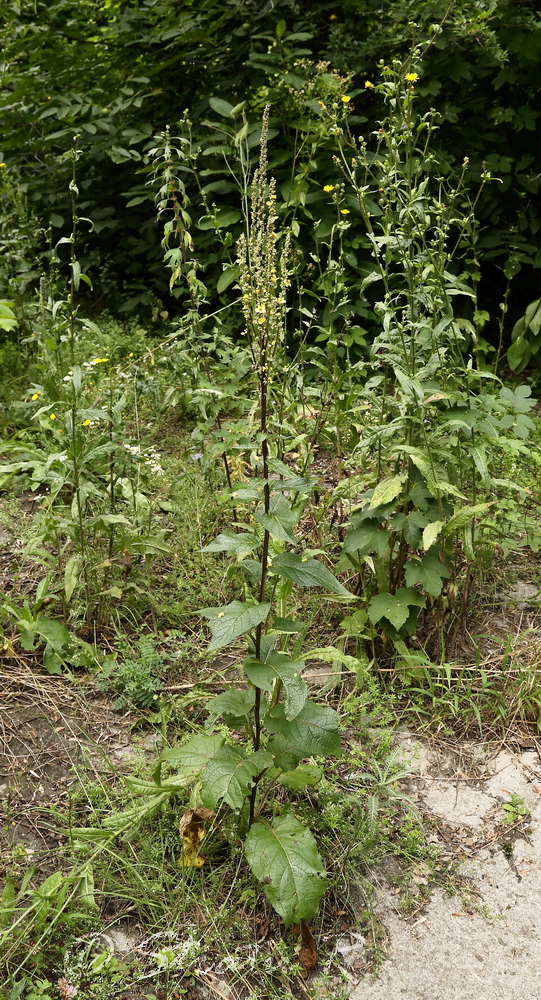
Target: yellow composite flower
{"x":368,"y":83}
{"x":346,"y":99}
{"x":86,"y":423}
{"x":333,"y":17}
{"x":412,"y":77}
{"x":99,"y":361}
{"x":328,"y":187}
{"x":36,"y":395}
{"x":344,"y":211}
{"x":2,"y":164}
{"x":52,"y":416}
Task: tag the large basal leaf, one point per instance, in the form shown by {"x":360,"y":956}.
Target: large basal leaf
{"x":312,"y":733}
{"x":229,"y":775}
{"x":307,"y":573}
{"x":195,"y":754}
{"x":232,"y":620}
{"x":285,"y":859}
{"x":289,"y":672}
{"x":395,"y":607}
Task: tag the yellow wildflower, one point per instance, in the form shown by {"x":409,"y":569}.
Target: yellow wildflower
{"x":86,"y":423}
{"x":99,"y":361}
{"x":412,"y":77}
{"x":52,"y":416}
{"x":2,"y":164}
{"x":367,"y":83}
{"x":344,"y":211}
{"x":345,"y":99}
{"x":333,"y":17}
{"x":36,"y":395}
{"x":328,"y":187}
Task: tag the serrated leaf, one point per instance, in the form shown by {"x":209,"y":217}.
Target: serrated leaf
{"x":229,"y":775}
{"x":368,"y":537}
{"x":429,"y":572}
{"x":240,"y":544}
{"x":463,"y":516}
{"x":231,"y":620}
{"x":280,"y":520}
{"x":308,"y":573}
{"x":395,"y":607}
{"x":430,"y":533}
{"x":195,"y":754}
{"x":285,"y":859}
{"x":234,"y":706}
{"x":387,"y":490}
{"x":280,"y":666}
{"x":312,"y":733}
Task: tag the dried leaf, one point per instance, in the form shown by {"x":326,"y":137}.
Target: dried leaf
{"x":192,"y":831}
{"x":308,"y":952}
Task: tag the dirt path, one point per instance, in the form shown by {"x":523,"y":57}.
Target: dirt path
{"x":451,"y":949}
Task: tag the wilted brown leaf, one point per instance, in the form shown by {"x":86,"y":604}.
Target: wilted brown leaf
{"x":308,"y":952}
{"x":192,"y":831}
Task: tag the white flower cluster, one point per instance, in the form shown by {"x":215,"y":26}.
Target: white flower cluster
{"x":150,"y":458}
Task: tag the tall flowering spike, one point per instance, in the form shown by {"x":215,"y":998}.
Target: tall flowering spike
{"x":263,"y":275}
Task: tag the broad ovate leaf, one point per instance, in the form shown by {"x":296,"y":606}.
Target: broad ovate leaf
{"x":285,"y":860}
{"x":312,"y":733}
{"x":307,"y":573}
{"x":231,"y":620}
{"x":229,"y":775}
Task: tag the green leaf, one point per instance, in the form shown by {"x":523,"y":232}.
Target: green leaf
{"x":234,"y":706}
{"x":221,"y":107}
{"x":232,"y":620}
{"x":195,"y":754}
{"x":280,"y":520}
{"x":369,"y":537}
{"x":395,"y":607}
{"x":229,"y":776}
{"x":52,"y":631}
{"x":280,"y":28}
{"x":430,"y":533}
{"x":463,"y":516}
{"x":71,"y":575}
{"x":307,"y":573}
{"x":280,"y":666}
{"x":387,"y":490}
{"x":304,"y":776}
{"x":222,"y":218}
{"x":239,"y":545}
{"x":227,"y":278}
{"x":285,"y":859}
{"x":312,"y":733}
{"x":519,"y":354}
{"x":429,"y":572}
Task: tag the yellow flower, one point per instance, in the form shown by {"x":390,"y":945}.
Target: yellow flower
{"x":327,"y":188}
{"x":345,"y":99}
{"x":86,"y":423}
{"x":412,"y":77}
{"x":344,"y":211}
{"x":99,"y":361}
{"x":333,"y":17}
{"x":36,"y":395}
{"x":2,"y":164}
{"x":52,"y":416}
{"x":367,"y":83}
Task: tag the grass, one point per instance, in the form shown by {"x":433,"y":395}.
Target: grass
{"x":156,"y":674}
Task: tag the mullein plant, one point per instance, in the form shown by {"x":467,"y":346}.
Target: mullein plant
{"x":259,"y":736}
